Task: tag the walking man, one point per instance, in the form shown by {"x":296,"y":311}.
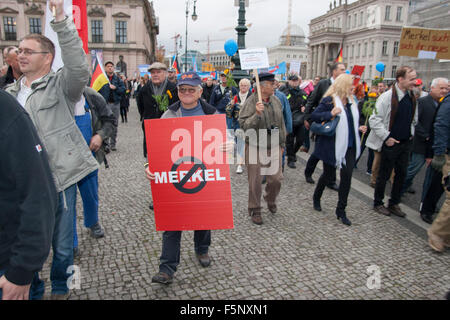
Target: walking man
{"x":112,"y":92}
{"x":392,"y":130}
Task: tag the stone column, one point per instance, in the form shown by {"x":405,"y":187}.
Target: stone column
{"x":325,"y":60}
{"x":313,"y":59}
{"x":320,"y":61}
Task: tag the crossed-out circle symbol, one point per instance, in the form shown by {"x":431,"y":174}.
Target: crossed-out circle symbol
{"x":197,"y":164}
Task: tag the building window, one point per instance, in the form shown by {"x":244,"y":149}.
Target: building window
{"x":97,"y":31}
{"x":394,"y":71}
{"x":387,"y":14}
{"x":370,"y":72}
{"x":121,"y":32}
{"x":349,"y":22}
{"x":358,"y":53}
{"x":353,"y":51}
{"x":361,"y":18}
{"x":365,"y":50}
{"x":382,"y":73}
{"x":372,"y":48}
{"x":384,"y":49}
{"x":399,"y":14}
{"x":35,"y":25}
{"x":346,"y":52}
{"x":355,"y":20}
{"x":288,"y":56}
{"x":9,"y":24}
{"x":339,"y":23}
{"x":396,"y":43}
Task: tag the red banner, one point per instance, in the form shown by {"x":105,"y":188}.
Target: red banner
{"x":357,"y":72}
{"x":192,"y":190}
{"x":79,"y":10}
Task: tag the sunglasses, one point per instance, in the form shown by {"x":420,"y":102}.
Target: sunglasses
{"x":187,"y":90}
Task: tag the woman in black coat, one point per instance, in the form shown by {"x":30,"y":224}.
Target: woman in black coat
{"x":341,"y":149}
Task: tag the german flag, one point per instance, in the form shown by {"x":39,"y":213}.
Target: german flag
{"x":99,"y":78}
{"x":340,"y":57}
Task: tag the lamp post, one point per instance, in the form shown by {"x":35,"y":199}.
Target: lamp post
{"x":194,"y":18}
{"x":238,"y":74}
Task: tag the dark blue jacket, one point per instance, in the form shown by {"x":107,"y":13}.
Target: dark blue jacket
{"x":441,"y":144}
{"x":220,"y":100}
{"x":325,"y":146}
{"x":117,"y":94}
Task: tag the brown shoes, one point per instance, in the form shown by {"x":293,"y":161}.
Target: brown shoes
{"x":395,"y":210}
{"x":204,"y":260}
{"x":271,"y":206}
{"x":256,"y":216}
{"x":382,"y":210}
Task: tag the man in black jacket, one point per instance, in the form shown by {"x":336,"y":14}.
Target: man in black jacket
{"x":159,"y":87}
{"x":207,"y":89}
{"x":297,"y":101}
{"x":313,"y":101}
{"x":112,"y":92}
{"x":426,"y":111}
{"x":28,"y":201}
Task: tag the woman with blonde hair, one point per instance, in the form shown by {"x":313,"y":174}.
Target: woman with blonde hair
{"x":341,"y":149}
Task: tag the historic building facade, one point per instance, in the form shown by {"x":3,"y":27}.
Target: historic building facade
{"x":116,"y":28}
{"x":367,"y":30}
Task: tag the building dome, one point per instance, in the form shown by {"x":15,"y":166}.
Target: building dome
{"x":297,"y":36}
{"x":296,"y":31}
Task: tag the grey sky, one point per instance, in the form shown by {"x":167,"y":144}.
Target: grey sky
{"x":268,"y":17}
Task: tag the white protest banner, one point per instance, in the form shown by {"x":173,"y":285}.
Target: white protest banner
{"x":295,"y":67}
{"x":254,"y":58}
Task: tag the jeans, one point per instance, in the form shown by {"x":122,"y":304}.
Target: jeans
{"x":392,"y":158}
{"x":62,"y":244}
{"x":329,"y":172}
{"x":416,"y":162}
{"x":170,"y":256}
{"x":88,"y":187}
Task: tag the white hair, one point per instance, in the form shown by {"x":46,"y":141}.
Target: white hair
{"x":244,"y":81}
{"x":435,"y":81}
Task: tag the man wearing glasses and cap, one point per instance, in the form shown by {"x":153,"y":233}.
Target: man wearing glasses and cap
{"x":190,"y":104}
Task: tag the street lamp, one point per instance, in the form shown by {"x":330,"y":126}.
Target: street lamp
{"x":194,"y":18}
{"x":238,"y":74}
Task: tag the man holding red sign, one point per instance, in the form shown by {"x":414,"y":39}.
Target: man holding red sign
{"x":190,"y":104}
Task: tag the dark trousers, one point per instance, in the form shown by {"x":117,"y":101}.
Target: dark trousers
{"x":329,"y":173}
{"x":433,"y":194}
{"x":392,"y":158}
{"x":311,"y":166}
{"x":294,"y":141}
{"x":145,"y":142}
{"x":170,"y":256}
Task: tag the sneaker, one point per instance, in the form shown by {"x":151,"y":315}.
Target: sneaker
{"x":435,"y":242}
{"x":204,"y":260}
{"x":382,"y":210}
{"x":163,"y":278}
{"x":395,"y":210}
{"x":239,"y":169}
{"x":96,"y":231}
{"x":369,"y":173}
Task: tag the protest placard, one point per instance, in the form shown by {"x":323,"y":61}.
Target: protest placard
{"x":421,"y":43}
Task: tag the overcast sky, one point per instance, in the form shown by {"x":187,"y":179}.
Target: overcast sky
{"x":268,"y":17}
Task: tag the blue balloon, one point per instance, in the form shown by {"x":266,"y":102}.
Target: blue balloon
{"x":380,"y":66}
{"x":347,"y":71}
{"x":230,"y":47}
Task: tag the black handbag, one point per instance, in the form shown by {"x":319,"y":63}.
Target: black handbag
{"x":327,"y":128}
{"x":297,"y":118}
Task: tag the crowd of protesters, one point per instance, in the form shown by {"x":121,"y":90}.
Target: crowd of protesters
{"x":59,"y":131}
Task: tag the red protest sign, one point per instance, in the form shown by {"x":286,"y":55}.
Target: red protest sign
{"x":192,"y":190}
{"x":357,"y":71}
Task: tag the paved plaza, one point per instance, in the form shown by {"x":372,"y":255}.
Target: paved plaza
{"x":297,"y":253}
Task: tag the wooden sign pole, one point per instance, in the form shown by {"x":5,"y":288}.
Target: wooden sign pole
{"x":258,"y":87}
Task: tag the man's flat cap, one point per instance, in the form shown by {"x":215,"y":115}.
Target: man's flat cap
{"x":157,"y":65}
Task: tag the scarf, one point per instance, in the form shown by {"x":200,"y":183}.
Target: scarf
{"x":341,"y":139}
{"x":158,"y":90}
{"x":394,"y":105}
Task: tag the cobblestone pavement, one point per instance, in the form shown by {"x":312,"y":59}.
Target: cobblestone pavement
{"x":297,"y":253}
